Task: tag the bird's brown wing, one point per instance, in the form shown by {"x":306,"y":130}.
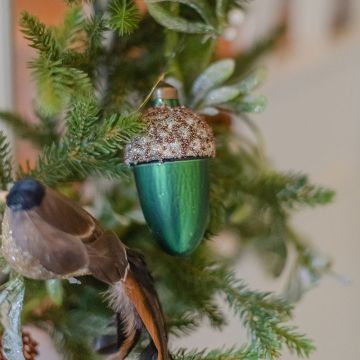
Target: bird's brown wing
{"x":107,"y":258}
{"x":55,"y":250}
{"x":65,"y":215}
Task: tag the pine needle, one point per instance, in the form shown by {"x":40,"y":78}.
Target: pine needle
{"x":124,"y":16}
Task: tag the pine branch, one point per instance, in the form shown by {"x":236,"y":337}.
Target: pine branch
{"x":87,"y":148}
{"x":124,"y":16}
{"x":57,"y":84}
{"x":297,"y":191}
{"x":244,"y":353}
{"x":297,"y":343}
{"x":262,"y":313}
{"x":25,"y":130}
{"x":69,"y":34}
{"x":264,"y":316}
{"x":183,"y":323}
{"x":40,"y":37}
{"x":95,"y":26}
{"x":5,"y":162}
{"x":288,"y":190}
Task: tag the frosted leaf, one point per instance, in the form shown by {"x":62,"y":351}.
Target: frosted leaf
{"x":252,"y":104}
{"x":221,"y":95}
{"x":252,"y":81}
{"x":215,"y":75}
{"x":11,"y":303}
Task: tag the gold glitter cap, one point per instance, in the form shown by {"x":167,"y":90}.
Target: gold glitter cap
{"x":171,"y":133}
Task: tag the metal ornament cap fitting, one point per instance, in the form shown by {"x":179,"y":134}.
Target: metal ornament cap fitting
{"x":174,"y":197}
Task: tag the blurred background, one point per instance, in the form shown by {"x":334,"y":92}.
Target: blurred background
{"x":312,"y":124}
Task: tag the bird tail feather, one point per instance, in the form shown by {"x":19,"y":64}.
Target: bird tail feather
{"x":136,"y":301}
{"x":142,"y":292}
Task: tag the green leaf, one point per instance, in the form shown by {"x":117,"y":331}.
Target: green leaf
{"x":11,"y":303}
{"x":216,"y":74}
{"x":252,"y":81}
{"x":221,"y":95}
{"x":200,"y":53}
{"x":55,"y":290}
{"x":251,"y":104}
{"x":167,"y":19}
{"x":200,"y":6}
{"x":124,"y":16}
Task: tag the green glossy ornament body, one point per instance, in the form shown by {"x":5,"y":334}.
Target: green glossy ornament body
{"x":171,"y":167}
{"x":174,"y":197}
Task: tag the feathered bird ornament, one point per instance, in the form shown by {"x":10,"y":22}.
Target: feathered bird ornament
{"x":46,"y":236}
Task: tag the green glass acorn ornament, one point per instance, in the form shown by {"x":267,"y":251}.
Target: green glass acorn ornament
{"x":171,"y":167}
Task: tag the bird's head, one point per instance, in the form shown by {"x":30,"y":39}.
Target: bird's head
{"x":25,"y":194}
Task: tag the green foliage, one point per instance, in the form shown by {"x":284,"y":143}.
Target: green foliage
{"x":75,"y":323}
{"x":24,"y":129}
{"x":217,"y":88}
{"x":88,"y":91}
{"x":263,"y":315}
{"x":124,"y":16}
{"x":245,"y":353}
{"x":56,"y":84}
{"x":5,"y":162}
{"x":57,"y":79}
{"x":39,"y":36}
{"x":68,"y":34}
{"x":167,"y":17}
{"x":89,"y":147}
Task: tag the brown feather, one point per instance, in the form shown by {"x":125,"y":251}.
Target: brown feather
{"x":138,"y":298}
{"x":108,"y":260}
{"x":65,"y":215}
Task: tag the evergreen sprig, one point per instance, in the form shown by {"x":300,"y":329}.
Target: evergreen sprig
{"x":6,"y":172}
{"x":124,"y":16}
{"x":40,"y":37}
{"x":69,"y":34}
{"x":37,"y":134}
{"x":57,"y":84}
{"x":244,"y":353}
{"x":89,"y":147}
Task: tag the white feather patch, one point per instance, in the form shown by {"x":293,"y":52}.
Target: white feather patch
{"x":120,"y":302}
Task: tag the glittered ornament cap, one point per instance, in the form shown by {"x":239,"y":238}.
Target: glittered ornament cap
{"x":172,"y":133}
